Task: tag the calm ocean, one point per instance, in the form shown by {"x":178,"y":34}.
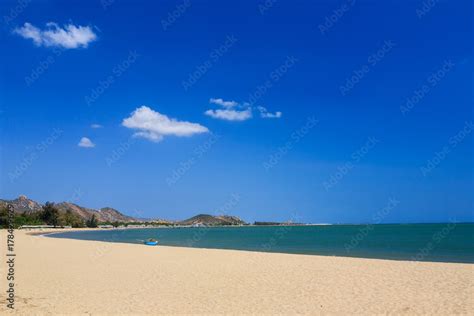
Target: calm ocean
{"x":448,"y":242}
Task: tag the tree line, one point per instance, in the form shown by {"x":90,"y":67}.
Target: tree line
{"x":49,"y":215}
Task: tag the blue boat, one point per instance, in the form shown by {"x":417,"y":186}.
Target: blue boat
{"x":151,"y":242}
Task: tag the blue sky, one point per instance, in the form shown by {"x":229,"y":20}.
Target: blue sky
{"x":321,"y":111}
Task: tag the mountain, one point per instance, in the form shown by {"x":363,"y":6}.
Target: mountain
{"x":107,"y":214}
{"x":22,"y":205}
{"x":156,"y":221}
{"x":209,"y":220}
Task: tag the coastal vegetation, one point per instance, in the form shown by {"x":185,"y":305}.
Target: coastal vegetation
{"x":67,"y":214}
{"x":92,"y":222}
{"x":49,"y":215}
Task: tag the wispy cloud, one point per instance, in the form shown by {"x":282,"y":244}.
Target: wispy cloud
{"x":86,"y":143}
{"x":96,"y":126}
{"x":221,"y":102}
{"x":235,"y":111}
{"x":265,"y":114}
{"x":154,"y":126}
{"x":230,"y":115}
{"x":70,"y":36}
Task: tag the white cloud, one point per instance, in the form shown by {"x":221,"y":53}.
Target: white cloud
{"x":86,"y":142}
{"x":230,"y":115}
{"x":265,"y":114}
{"x":154,"y":126}
{"x":221,"y":102}
{"x":234,"y":111}
{"x":96,"y":126}
{"x":69,"y":36}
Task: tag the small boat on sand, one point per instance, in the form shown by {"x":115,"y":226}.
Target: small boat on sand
{"x":151,"y":242}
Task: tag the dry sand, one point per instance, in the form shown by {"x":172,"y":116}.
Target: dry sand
{"x":86,"y":277}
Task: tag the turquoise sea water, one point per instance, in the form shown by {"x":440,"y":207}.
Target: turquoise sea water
{"x":448,"y":242}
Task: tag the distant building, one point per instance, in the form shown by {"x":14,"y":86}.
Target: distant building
{"x":105,"y":226}
{"x":198,"y":225}
{"x":136,"y":226}
{"x":36,"y":226}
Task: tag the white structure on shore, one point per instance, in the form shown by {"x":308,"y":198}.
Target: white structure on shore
{"x":37,"y":226}
{"x":105,"y":226}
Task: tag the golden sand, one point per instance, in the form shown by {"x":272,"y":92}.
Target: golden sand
{"x":87,"y":277}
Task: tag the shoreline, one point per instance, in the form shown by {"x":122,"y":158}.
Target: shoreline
{"x":68,"y":230}
{"x":70,"y":276}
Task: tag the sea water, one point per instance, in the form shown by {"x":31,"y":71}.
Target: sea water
{"x":448,"y":242}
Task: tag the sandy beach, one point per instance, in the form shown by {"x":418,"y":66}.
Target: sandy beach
{"x":65,"y":276}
